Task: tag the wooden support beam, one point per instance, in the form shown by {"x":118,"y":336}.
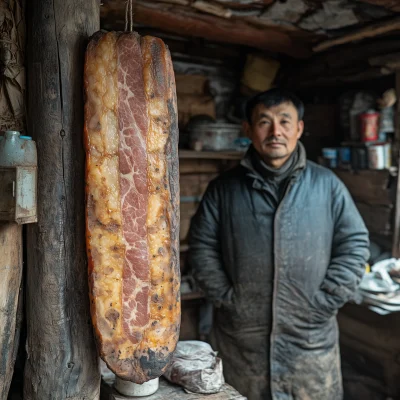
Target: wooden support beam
{"x":369,"y":31}
{"x":397,"y":115}
{"x":396,"y":153}
{"x":180,"y":2}
{"x":340,"y":78}
{"x":213,"y":9}
{"x":345,"y":61}
{"x":62,"y":361}
{"x":245,"y":3}
{"x":185,"y":22}
{"x":390,"y":61}
{"x":396,"y":223}
{"x":392,"y":5}
{"x":385,"y":59}
{"x":12,"y":106}
{"x":10,"y":278}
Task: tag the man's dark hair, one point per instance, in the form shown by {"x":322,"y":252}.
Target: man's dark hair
{"x":274,"y":97}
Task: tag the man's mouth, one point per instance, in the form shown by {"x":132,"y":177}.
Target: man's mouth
{"x":274,"y":144}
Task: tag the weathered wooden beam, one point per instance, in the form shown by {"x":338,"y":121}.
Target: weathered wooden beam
{"x":390,"y":61}
{"x":213,"y":9}
{"x":301,"y":35}
{"x":350,"y":54}
{"x":61,"y":355}
{"x":180,"y":2}
{"x":397,"y":115}
{"x":369,"y":31}
{"x":396,"y":153}
{"x":340,"y":78}
{"x":12,"y":106}
{"x":337,"y":60}
{"x":185,"y":22}
{"x":392,"y":5}
{"x":385,"y":60}
{"x":10,"y":278}
{"x":245,"y":3}
{"x":396,"y":222}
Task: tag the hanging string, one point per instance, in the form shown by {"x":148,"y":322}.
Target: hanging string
{"x":129,"y":15}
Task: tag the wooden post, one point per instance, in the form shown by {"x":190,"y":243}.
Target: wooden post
{"x":10,"y":278}
{"x":12,"y":102}
{"x":61,"y":361}
{"x":396,"y":153}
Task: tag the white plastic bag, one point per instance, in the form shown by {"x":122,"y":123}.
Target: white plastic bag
{"x":196,"y":367}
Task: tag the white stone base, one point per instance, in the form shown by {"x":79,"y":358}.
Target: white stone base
{"x":131,"y":389}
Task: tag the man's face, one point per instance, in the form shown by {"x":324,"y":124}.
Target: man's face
{"x":274,"y":132}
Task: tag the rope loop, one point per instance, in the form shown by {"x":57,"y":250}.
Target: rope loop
{"x":129,"y":15}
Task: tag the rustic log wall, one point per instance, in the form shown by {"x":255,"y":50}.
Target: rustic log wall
{"x":374,"y":195}
{"x":61,"y":355}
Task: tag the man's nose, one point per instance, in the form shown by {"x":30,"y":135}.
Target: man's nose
{"x":275,"y":130}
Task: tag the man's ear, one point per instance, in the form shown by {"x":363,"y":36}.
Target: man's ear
{"x":246,"y":129}
{"x":300,"y":129}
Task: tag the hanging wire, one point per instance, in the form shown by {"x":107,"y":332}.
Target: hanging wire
{"x":129,"y":15}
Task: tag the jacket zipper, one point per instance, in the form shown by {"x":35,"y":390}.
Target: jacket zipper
{"x":272,"y":336}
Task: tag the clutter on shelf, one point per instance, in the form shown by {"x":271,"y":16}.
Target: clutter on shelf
{"x":368,"y":123}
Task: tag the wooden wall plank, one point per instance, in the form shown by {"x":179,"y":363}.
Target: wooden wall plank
{"x":378,"y":219}
{"x":195,"y":184}
{"x":368,"y":186}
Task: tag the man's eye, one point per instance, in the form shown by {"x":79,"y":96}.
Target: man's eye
{"x":264,"y":122}
{"x":284,"y":122}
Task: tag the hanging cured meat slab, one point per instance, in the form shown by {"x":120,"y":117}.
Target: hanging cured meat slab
{"x":132,"y":202}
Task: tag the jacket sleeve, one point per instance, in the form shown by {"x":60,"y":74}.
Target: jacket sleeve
{"x":205,"y":256}
{"x":350,"y":252}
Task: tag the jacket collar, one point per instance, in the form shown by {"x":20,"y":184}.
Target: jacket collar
{"x":259,"y":180}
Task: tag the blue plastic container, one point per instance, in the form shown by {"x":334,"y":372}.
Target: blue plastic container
{"x":330,"y":155}
{"x":18,"y":178}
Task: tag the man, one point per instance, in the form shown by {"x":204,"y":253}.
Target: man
{"x":278,"y":246}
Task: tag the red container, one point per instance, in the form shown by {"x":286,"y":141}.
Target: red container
{"x":369,"y":124}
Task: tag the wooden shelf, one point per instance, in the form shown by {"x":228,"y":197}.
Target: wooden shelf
{"x":366,"y":172}
{"x":211,"y":155}
{"x":350,"y":143}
